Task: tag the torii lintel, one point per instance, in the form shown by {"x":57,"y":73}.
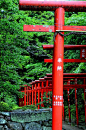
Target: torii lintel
{"x":52,"y":5}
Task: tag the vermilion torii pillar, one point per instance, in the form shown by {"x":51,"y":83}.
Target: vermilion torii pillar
{"x":59,"y":7}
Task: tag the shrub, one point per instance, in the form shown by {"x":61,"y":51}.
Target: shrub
{"x":4,"y":106}
{"x":32,"y":107}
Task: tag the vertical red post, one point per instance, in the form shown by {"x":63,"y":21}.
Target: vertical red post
{"x":27,"y":93}
{"x":42,"y":94}
{"x":38,"y":94}
{"x":22,"y":102}
{"x":58,"y":71}
{"x":85,"y":100}
{"x":30,"y":97}
{"x":77,"y":120}
{"x":63,"y":108}
{"x":85,"y":104}
{"x":32,"y":94}
{"x":25,"y":96}
{"x":46,"y":88}
{"x":35,"y":94}
{"x":69,"y":106}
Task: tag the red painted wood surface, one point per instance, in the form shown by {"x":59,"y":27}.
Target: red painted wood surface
{"x":57,"y":69}
{"x":25,"y":96}
{"x":38,"y":28}
{"x":83,"y":53}
{"x":68,"y":47}
{"x":79,"y":6}
{"x":85,"y":103}
{"x":42,"y":92}
{"x":69,"y":104}
{"x":66,"y":60}
{"x":81,"y":75}
{"x":38,"y":94}
{"x":35,"y":94}
{"x":47,"y":28}
{"x":85,"y":100}
{"x":32,"y":94}
{"x":76,"y":103}
{"x":63,"y":108}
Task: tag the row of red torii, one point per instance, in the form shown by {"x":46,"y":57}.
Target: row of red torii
{"x":59,"y":7}
{"x":33,"y":94}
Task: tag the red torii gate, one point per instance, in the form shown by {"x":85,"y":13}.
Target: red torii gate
{"x":39,"y":87}
{"x":59,"y":7}
{"x":82,"y":49}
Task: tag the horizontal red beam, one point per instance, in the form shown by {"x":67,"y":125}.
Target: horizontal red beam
{"x":65,"y":78}
{"x":38,"y":28}
{"x":70,"y":75}
{"x":50,"y":47}
{"x":74,"y":60}
{"x":79,"y":6}
{"x":74,"y":28}
{"x":64,"y":88}
{"x":81,"y":77}
{"x":70,"y":47}
{"x":48,"y":78}
{"x":75,"y":86}
{"x":41,"y":79}
{"x":66,"y":60}
{"x":47,"y":28}
{"x":71,"y":86}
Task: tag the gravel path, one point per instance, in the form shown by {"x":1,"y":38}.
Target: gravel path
{"x":65,"y":126}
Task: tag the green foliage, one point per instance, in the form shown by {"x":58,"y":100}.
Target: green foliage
{"x":73,"y":111}
{"x":11,"y":106}
{"x":81,"y":68}
{"x":22,"y":56}
{"x":66,"y":111}
{"x":47,"y":100}
{"x":9,"y":103}
{"x":31,"y":107}
{"x":4,"y":106}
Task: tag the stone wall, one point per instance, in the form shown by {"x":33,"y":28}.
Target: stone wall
{"x":26,"y":120}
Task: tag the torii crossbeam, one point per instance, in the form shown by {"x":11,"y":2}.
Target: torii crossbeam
{"x":59,"y":7}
